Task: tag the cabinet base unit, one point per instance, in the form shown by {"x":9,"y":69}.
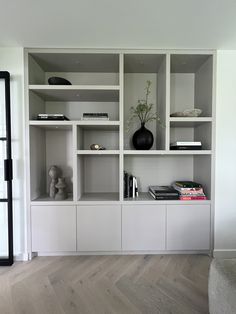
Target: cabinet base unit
{"x":53,"y":228}
{"x":143,"y":227}
{"x":99,"y":228}
{"x":188,"y":227}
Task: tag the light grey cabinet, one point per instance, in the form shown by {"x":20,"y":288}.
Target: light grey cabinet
{"x":143,"y":227}
{"x":188,"y":227}
{"x":53,"y":228}
{"x":99,"y":228}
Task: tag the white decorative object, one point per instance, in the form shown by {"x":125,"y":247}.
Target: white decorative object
{"x":187,"y":113}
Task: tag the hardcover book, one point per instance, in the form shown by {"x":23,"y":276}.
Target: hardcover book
{"x":188,"y":184}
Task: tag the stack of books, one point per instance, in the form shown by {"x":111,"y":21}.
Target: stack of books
{"x":95,"y":116}
{"x":189,"y":190}
{"x":163,"y":192}
{"x":130,"y":185}
{"x":51,"y":116}
{"x":186,"y":145}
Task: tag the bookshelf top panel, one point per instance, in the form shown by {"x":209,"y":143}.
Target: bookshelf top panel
{"x":187,"y":63}
{"x":143,"y":63}
{"x":77,"y":62}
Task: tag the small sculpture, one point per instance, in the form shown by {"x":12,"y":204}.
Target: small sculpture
{"x":61,"y":186}
{"x":97,"y":147}
{"x":54,"y":173}
{"x":187,"y":113}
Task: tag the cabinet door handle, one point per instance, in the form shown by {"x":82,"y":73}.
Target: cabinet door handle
{"x":8,"y":169}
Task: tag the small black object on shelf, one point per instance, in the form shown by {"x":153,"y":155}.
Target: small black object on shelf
{"x":54,"y":80}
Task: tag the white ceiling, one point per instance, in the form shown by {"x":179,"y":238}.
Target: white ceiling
{"x":120,"y":23}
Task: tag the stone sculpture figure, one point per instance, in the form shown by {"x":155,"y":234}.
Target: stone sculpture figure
{"x":54,"y":173}
{"x":61,"y":186}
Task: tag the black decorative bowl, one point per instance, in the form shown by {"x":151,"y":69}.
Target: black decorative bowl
{"x":54,"y":80}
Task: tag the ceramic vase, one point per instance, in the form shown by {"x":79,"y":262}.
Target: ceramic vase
{"x":143,"y":138}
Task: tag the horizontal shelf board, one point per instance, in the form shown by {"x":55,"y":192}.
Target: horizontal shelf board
{"x":99,"y":197}
{"x":98,"y":152}
{"x":100,"y":125}
{"x":91,"y":93}
{"x":74,"y":87}
{"x":146,"y":198}
{"x":52,"y":125}
{"x":189,"y":152}
{"x":47,"y":200}
{"x":167,"y":152}
{"x":188,"y":122}
{"x":144,"y":152}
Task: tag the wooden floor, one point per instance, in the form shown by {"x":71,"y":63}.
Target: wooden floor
{"x":106,"y":284}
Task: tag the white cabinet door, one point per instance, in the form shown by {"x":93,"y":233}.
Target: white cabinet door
{"x":53,"y":228}
{"x":99,"y":228}
{"x":188,"y":227}
{"x":143,"y":227}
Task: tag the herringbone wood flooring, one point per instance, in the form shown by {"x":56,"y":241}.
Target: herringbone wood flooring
{"x":106,"y":284}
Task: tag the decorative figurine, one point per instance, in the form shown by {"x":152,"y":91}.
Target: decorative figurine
{"x":61,"y":186}
{"x":54,"y":173}
{"x":97,"y":147}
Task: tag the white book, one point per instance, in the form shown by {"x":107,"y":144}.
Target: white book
{"x":95,"y":119}
{"x":134,"y":185}
{"x":50,"y":115}
{"x":186,"y":143}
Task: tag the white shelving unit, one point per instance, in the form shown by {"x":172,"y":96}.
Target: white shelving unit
{"x":112,"y":81}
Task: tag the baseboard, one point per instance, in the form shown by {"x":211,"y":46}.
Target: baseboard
{"x":204,"y":252}
{"x":22,"y":257}
{"x":224,"y":253}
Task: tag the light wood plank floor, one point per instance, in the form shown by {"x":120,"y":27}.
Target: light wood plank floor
{"x":106,"y":284}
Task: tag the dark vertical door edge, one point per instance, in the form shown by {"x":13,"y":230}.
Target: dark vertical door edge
{"x":8,"y":170}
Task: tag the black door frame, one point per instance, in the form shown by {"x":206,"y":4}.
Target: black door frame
{"x":8,"y":170}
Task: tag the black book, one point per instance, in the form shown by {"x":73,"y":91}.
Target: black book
{"x":164,"y":197}
{"x":163,"y":191}
{"x":51,"y":117}
{"x":95,"y":114}
{"x":130,"y":186}
{"x":126,"y":189}
{"x":188,"y":184}
{"x":186,"y":147}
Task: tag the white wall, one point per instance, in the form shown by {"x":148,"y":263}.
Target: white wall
{"x":225,"y":202}
{"x":11,"y":60}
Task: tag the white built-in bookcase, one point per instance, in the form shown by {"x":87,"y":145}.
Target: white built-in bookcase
{"x":112,"y":81}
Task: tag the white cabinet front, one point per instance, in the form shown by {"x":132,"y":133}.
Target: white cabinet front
{"x":143,"y":227}
{"x":188,"y":227}
{"x":53,"y":228}
{"x":99,"y":228}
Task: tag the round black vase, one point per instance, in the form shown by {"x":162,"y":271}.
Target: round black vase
{"x":142,"y":138}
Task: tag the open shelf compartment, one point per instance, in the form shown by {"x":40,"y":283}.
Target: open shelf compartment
{"x":50,"y":145}
{"x":191,"y":83}
{"x":192,"y":132}
{"x":164,"y":170}
{"x":98,"y":178}
{"x":106,"y":135}
{"x":73,"y":102}
{"x":78,"y":68}
{"x":139,"y":68}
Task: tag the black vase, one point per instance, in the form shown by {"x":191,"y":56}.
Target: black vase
{"x":143,"y":138}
